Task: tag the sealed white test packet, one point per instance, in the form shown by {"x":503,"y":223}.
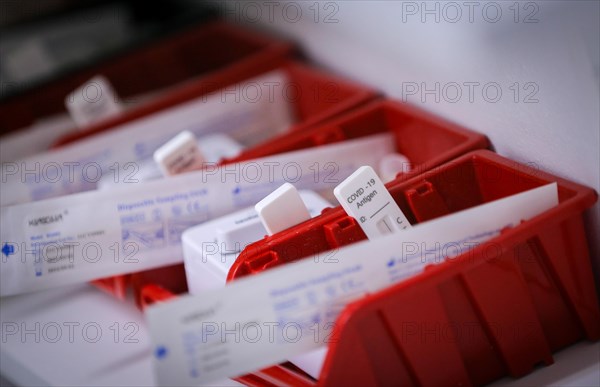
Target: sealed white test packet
{"x":79,"y":166}
{"x":91,"y":235}
{"x":35,"y":138}
{"x":264,"y":319}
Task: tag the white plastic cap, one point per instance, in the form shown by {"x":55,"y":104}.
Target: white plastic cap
{"x":180,"y":154}
{"x":282,"y":209}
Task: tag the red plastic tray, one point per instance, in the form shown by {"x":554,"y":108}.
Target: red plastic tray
{"x":217,"y":54}
{"x":317,"y":101}
{"x":475,"y":318}
{"x":425,"y":139}
{"x":438,"y":140}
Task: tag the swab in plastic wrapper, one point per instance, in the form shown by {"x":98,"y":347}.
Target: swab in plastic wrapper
{"x":264,"y":319}
{"x":98,"y":234}
{"x":40,"y":136}
{"x":214,"y":147}
{"x":79,"y":166}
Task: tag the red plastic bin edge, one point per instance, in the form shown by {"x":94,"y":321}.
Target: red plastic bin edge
{"x":583,"y":198}
{"x":510,"y":239}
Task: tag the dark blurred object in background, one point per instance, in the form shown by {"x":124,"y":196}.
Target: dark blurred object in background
{"x":41,"y":41}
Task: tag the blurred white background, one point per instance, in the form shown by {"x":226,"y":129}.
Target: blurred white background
{"x":525,"y":73}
